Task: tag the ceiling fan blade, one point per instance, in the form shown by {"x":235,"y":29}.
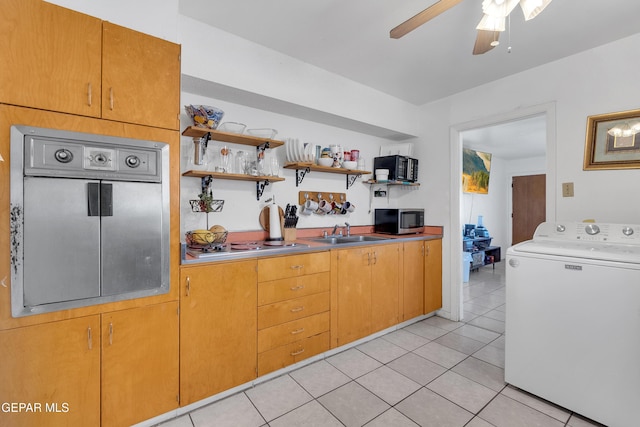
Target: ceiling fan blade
{"x":484,"y":41}
{"x":422,"y":17}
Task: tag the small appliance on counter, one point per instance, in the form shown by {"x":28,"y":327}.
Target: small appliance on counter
{"x":275,"y":231}
{"x":401,"y":168}
{"x":399,"y":221}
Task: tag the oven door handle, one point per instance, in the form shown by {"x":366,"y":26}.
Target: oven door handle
{"x":100,"y":199}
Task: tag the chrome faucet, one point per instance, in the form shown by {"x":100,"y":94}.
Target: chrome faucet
{"x":347,"y":228}
{"x":335,"y":228}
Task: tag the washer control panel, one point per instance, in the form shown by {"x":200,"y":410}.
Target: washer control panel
{"x":589,"y":232}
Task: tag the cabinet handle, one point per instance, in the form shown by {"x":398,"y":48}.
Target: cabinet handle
{"x":297,"y":331}
{"x":297,"y":309}
{"x":428,"y":247}
{"x":89,"y":93}
{"x":375,"y":258}
{"x":297,"y":267}
{"x":89,"y":338}
{"x":296,"y":288}
{"x":188,"y":285}
{"x":111,"y":98}
{"x":295,"y":353}
{"x":368,"y":258}
{"x":110,"y":333}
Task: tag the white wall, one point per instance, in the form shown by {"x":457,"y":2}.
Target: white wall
{"x":241,"y":209}
{"x":578,"y":86}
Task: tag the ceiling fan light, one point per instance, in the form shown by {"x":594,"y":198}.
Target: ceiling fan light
{"x":498,"y":8}
{"x":491,"y":23}
{"x":531,"y":8}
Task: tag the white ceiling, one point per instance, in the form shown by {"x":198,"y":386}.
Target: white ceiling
{"x":351,"y":38}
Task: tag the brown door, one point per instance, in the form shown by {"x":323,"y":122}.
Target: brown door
{"x":528,"y":206}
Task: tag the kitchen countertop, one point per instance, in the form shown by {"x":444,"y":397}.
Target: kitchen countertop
{"x":260,"y":248}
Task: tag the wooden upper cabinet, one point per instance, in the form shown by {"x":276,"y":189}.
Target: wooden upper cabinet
{"x":58,"y":59}
{"x":141,"y":78}
{"x":51,"y":58}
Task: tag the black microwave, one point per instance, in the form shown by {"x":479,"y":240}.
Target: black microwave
{"x":401,"y":168}
{"x":399,"y":221}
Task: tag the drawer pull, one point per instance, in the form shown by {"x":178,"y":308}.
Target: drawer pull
{"x":295,"y":353}
{"x":297,"y":331}
{"x":297,"y":267}
{"x":297,"y":309}
{"x":297,"y":288}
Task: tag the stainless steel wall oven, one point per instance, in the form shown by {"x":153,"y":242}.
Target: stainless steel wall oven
{"x":89,"y":219}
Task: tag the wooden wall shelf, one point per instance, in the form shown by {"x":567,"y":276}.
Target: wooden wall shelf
{"x":302,"y":168}
{"x":234,"y":138}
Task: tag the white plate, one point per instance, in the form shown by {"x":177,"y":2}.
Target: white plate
{"x":287,"y":145}
{"x":299,"y":151}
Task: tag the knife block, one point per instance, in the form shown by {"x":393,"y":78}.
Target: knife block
{"x":289,"y":234}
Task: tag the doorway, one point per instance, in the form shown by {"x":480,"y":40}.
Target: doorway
{"x":528,"y":210}
{"x":458,"y":218}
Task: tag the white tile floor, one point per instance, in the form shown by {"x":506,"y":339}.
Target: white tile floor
{"x":431,"y":373}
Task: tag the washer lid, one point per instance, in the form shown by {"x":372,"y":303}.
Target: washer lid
{"x":588,"y":250}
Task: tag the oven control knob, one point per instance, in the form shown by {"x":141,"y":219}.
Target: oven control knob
{"x":627,"y":231}
{"x":132,"y":161}
{"x":63,"y":155}
{"x":592,"y":229}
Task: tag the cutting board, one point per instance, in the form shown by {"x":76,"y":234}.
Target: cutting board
{"x":264,"y":218}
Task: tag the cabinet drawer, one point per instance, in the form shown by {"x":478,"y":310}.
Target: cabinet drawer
{"x":293,"y":265}
{"x":286,"y":333}
{"x":293,"y":287}
{"x":286,"y":355}
{"x":286,"y":311}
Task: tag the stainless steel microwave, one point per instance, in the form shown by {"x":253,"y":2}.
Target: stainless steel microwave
{"x":399,"y":221}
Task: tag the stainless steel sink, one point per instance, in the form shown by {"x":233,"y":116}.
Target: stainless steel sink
{"x":347,"y":239}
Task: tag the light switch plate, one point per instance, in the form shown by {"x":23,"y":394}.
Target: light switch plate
{"x":567,"y":189}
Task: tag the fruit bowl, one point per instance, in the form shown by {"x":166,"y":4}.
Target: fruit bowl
{"x":204,"y":115}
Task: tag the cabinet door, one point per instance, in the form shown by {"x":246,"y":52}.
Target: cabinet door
{"x":139,"y":363}
{"x":413,"y":282}
{"x":432,"y":275}
{"x":51,"y":58}
{"x":385,"y":281}
{"x":140,"y":78}
{"x":55,"y":367}
{"x":218,"y":328}
{"x":354,"y":294}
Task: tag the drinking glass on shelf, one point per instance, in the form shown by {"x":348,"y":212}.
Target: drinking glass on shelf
{"x":275,"y":166}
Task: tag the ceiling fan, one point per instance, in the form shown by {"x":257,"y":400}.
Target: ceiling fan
{"x":489,"y":29}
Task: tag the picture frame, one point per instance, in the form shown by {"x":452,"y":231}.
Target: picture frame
{"x":613,"y":141}
{"x":476,"y":170}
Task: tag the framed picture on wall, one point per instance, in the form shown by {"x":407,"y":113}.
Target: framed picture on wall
{"x":613,"y":141}
{"x":476,"y":167}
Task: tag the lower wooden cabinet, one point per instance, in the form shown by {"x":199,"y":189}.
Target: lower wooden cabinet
{"x":218,"y":328}
{"x":139,"y":364}
{"x":55,"y":368}
{"x":294,"y":303}
{"x":432,"y":275}
{"x":114,"y":369}
{"x":368,"y":290}
{"x":413,"y":279}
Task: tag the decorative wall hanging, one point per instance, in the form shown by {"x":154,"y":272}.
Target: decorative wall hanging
{"x":613,"y":141}
{"x":476,"y":167}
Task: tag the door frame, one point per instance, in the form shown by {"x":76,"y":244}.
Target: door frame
{"x":456,"y":220}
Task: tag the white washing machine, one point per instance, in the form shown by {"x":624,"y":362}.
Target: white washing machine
{"x":573,"y":319}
